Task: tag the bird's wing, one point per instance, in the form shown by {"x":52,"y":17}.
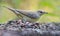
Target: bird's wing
{"x":30,"y":14}
{"x":33,"y":15}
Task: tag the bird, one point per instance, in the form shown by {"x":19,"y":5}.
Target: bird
{"x":27,"y":15}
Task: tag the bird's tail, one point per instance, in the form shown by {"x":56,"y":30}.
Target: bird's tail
{"x":13,"y":10}
{"x":16,"y":11}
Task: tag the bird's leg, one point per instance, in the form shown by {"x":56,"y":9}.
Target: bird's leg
{"x":19,"y":16}
{"x":24,"y":19}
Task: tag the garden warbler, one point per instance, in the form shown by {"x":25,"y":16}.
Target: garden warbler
{"x":27,"y":15}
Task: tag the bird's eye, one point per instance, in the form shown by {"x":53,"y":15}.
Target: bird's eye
{"x":41,"y":12}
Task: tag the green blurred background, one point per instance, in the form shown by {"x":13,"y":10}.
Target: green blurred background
{"x":50,"y":6}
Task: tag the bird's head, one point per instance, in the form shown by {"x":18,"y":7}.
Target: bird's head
{"x":42,"y":12}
